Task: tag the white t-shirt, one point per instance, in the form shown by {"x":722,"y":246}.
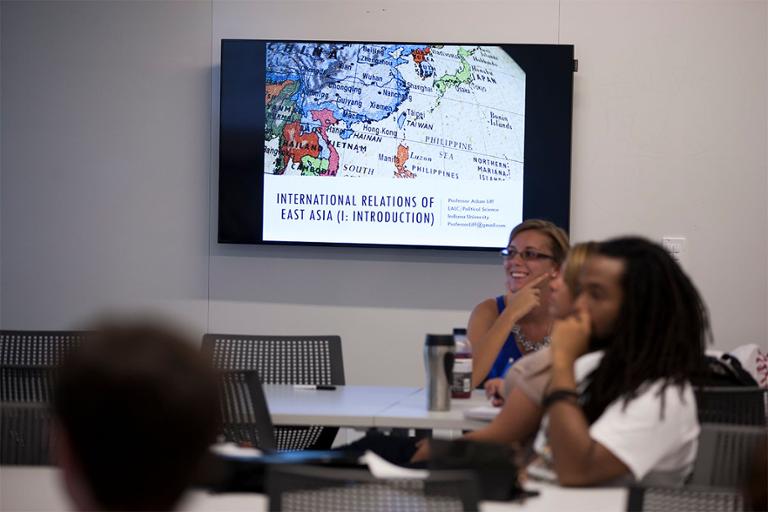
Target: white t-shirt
{"x":657,"y":447}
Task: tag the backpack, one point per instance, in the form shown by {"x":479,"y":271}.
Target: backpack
{"x":725,"y":371}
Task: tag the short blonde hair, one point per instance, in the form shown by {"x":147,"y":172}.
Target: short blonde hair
{"x":573,"y":263}
{"x":558,"y":238}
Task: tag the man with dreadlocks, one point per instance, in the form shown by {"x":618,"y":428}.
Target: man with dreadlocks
{"x":620,"y":405}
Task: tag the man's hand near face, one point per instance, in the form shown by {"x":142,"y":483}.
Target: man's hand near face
{"x":570,"y":337}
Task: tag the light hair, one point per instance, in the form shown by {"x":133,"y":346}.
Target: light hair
{"x":558,"y":238}
{"x":573,"y":263}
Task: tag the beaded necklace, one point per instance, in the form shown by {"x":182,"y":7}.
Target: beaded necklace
{"x":528,"y":345}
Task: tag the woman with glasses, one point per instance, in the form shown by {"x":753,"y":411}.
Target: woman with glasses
{"x":525,"y":383}
{"x":505,"y":328}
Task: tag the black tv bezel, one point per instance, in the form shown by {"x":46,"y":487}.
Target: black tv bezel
{"x":546,"y":192}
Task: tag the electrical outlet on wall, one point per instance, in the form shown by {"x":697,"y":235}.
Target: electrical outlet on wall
{"x":677,"y":247}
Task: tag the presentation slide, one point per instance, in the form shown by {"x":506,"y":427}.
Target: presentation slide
{"x":392,"y":144}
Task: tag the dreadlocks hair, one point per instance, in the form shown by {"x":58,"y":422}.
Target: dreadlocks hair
{"x":661,"y":330}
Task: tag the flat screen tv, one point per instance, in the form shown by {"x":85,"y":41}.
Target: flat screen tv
{"x":392,"y":144}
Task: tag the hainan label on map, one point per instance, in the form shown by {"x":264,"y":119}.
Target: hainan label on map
{"x":451,"y":115}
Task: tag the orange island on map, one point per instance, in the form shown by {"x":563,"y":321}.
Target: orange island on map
{"x":400,"y":158}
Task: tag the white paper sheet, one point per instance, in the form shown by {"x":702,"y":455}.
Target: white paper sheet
{"x":483,"y":412}
{"x":381,"y":468}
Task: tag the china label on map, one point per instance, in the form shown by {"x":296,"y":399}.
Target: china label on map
{"x":394,"y":111}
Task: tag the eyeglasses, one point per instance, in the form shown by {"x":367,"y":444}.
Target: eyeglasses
{"x":526,"y":255}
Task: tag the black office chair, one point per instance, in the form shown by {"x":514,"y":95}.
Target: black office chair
{"x":324,"y":489}
{"x":745,"y":405}
{"x":666,"y":499}
{"x":25,"y":438}
{"x":28,"y":366}
{"x":245,"y":415}
{"x":726,"y":453}
{"x":284,"y":360}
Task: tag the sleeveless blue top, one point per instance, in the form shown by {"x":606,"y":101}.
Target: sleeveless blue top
{"x":509,"y":352}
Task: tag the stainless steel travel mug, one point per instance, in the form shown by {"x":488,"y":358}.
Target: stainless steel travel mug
{"x":438,"y":362}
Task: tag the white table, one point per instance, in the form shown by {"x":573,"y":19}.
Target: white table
{"x":411,"y":412}
{"x":345,"y":406}
{"x":40,"y":488}
{"x":366,"y":406}
{"x":555,"y":498}
{"x":24,"y":488}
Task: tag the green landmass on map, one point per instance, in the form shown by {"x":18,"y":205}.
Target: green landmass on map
{"x":311,"y":166}
{"x":462,"y":76}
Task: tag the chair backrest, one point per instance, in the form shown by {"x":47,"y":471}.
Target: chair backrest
{"x":284,"y":360}
{"x":726,"y":453}
{"x":279,"y":359}
{"x":28,"y":360}
{"x":321,"y":489}
{"x":25,"y":428}
{"x":665,"y":499}
{"x":747,"y":405}
{"x":28,"y":365}
{"x":27,"y":383}
{"x":37,"y":348}
{"x":245,"y":415}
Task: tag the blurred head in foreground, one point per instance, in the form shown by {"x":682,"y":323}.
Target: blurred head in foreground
{"x":135,"y":408}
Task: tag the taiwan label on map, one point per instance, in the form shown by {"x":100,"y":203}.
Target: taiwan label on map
{"x":440,"y":122}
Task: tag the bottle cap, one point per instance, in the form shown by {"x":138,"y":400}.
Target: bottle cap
{"x":439,"y":340}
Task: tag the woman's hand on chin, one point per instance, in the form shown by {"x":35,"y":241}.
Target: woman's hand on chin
{"x":527,"y":298}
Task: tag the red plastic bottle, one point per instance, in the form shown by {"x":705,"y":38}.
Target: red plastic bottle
{"x":462,"y":365}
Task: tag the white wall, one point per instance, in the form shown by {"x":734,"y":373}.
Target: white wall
{"x":669,"y":138}
{"x":106,"y":160}
{"x":109,"y":162}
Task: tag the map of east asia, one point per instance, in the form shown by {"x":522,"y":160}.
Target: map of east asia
{"x":443,"y":113}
